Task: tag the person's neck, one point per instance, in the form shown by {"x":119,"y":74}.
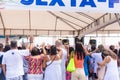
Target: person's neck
{"x":64,"y":47}
{"x":13,"y":48}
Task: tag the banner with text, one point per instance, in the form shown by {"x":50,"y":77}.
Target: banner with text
{"x":112,"y":6}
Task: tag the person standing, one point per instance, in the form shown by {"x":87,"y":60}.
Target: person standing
{"x":79,"y":56}
{"x":1,"y":56}
{"x":64,"y":49}
{"x":25,"y":62}
{"x":35,"y":64}
{"x":97,"y":55}
{"x":52,"y":64}
{"x":12,"y":63}
{"x":111,"y":66}
{"x":86,"y":66}
{"x":65,"y":55}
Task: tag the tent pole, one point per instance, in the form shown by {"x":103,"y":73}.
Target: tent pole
{"x":117,"y":17}
{"x":2,"y":23}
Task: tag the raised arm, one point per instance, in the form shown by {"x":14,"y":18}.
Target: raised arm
{"x":28,"y":47}
{"x":86,"y":51}
{"x":60,"y":52}
{"x":105,"y":61}
{"x":45,"y":56}
{"x":113,"y":55}
{"x":43,"y":48}
{"x":31,"y":45}
{"x":7,"y":40}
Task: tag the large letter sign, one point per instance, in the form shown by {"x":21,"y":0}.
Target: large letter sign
{"x":39,"y":2}
{"x":111,"y":3}
{"x":27,"y":2}
{"x":85,"y":2}
{"x":73,"y":3}
{"x":60,"y":2}
{"x":64,"y":5}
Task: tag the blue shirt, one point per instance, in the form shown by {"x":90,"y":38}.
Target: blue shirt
{"x":86,"y":65}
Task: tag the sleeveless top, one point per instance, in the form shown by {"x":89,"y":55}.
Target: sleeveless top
{"x":78,"y":63}
{"x":111,"y":70}
{"x":53,"y":71}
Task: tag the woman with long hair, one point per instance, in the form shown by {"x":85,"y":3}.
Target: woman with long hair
{"x":80,"y":53}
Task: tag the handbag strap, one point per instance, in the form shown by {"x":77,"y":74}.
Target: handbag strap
{"x":72,"y":54}
{"x":47,"y":66}
{"x":51,"y":62}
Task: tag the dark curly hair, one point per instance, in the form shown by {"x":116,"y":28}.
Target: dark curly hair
{"x":53,"y":50}
{"x":35,"y":51}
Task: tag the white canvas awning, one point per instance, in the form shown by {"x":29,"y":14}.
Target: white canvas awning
{"x":25,"y":17}
{"x":25,"y":22}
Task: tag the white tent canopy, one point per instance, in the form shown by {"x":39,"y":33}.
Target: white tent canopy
{"x":25,"y":22}
{"x":59,"y":17}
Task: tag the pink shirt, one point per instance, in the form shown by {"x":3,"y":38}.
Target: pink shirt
{"x":35,"y":64}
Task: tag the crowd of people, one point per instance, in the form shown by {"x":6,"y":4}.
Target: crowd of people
{"x":49,"y":62}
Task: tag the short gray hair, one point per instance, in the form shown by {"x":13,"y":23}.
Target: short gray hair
{"x":58,"y":43}
{"x":13,"y":44}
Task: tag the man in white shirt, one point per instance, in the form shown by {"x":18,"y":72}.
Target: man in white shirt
{"x":97,"y":56}
{"x":12,"y":63}
{"x":65,"y":49}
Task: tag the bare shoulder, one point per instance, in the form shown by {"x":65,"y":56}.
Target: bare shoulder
{"x":46,"y":57}
{"x":107,"y":59}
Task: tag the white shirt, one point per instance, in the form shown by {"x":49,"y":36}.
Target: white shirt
{"x":64,"y":59}
{"x":1,"y":53}
{"x":14,"y":62}
{"x":97,"y":58}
